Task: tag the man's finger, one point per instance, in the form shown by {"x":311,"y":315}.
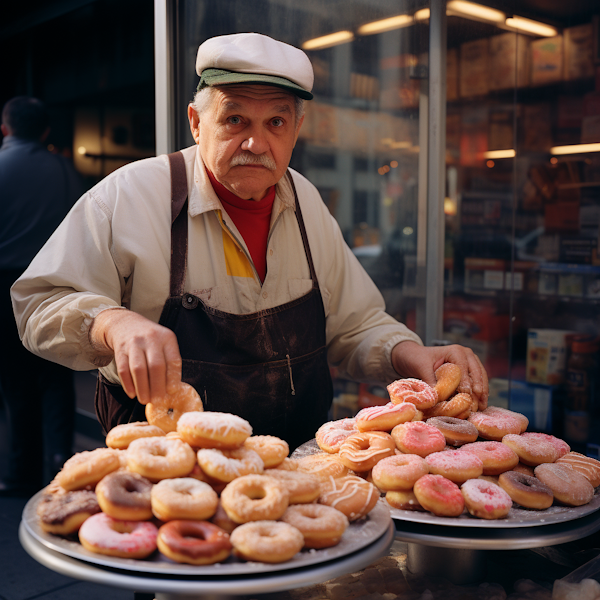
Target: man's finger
{"x":483,"y":398}
{"x":173,"y":362}
{"x":139,"y":372}
{"x":157,"y":372}
{"x":122,"y":364}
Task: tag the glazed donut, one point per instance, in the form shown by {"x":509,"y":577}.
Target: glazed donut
{"x":447,"y":377}
{"x":322,"y":526}
{"x":418,"y":438}
{"x":523,"y":469}
{"x":267,"y":541}
{"x":165,"y":411}
{"x":455,"y":407}
{"x":568,"y":486}
{"x":221,"y":519}
{"x":330,"y":436}
{"x":526,"y":491}
{"x":255,"y":498}
{"x":485,"y":500}
{"x":200,"y":475}
{"x":126,"y":539}
{"x":88,"y":468}
{"x":411,"y":390}
{"x":588,"y":467}
{"x":121,"y":436}
{"x":495,"y":456}
{"x":63,"y":513}
{"x":303,"y":487}
{"x":362,"y":451}
{"x":456,"y":431}
{"x":531,"y":451}
{"x":226,"y":465}
{"x":403,"y":500}
{"x":125,"y":495}
{"x":385,"y":418}
{"x":322,"y":466}
{"x":213,"y":430}
{"x":493,"y":425}
{"x":183,"y":498}
{"x":160,"y":458}
{"x":561,"y":446}
{"x":439,"y":496}
{"x":194,"y":542}
{"x":504,"y":412}
{"x":398,"y":472}
{"x":352,"y":495}
{"x":272,"y":450}
{"x":455,"y":465}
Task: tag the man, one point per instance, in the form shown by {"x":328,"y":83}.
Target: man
{"x":38,"y":189}
{"x":232,"y":273}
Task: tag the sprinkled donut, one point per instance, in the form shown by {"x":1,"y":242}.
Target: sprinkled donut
{"x":485,"y":500}
{"x":330,"y":436}
{"x":266,"y":541}
{"x":213,"y":430}
{"x":165,"y":411}
{"x":495,"y":456}
{"x":385,"y":418}
{"x":303,"y":487}
{"x":88,"y":468}
{"x":561,"y":446}
{"x":160,"y":458}
{"x":411,"y":390}
{"x":457,"y":406}
{"x":322,"y":466}
{"x":322,"y":526}
{"x":352,"y":495}
{"x":183,"y":498}
{"x":498,"y":410}
{"x":121,"y":436}
{"x":64,"y":513}
{"x":448,"y":378}
{"x":439,"y":496}
{"x":525,"y":490}
{"x":568,"y":486}
{"x":531,"y":451}
{"x":399,"y":472}
{"x":456,"y":431}
{"x":494,"y":425}
{"x":455,"y":465}
{"x":418,"y":438}
{"x":226,"y":465}
{"x":362,"y":451}
{"x":272,"y":450}
{"x":125,"y":495}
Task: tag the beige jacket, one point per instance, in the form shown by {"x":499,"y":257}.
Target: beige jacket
{"x":113,"y":249}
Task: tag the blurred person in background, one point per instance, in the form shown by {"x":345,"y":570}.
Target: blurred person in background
{"x":37,"y":189}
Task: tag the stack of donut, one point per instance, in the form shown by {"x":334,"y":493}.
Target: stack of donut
{"x":431,"y":449}
{"x":198,"y":487}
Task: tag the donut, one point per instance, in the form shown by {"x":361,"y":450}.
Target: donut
{"x":302,"y":487}
{"x":126,"y":539}
{"x":322,"y":526}
{"x":385,"y":418}
{"x":447,"y":377}
{"x":160,"y":458}
{"x":322,"y":466}
{"x":125,"y":495}
{"x":183,"y":498}
{"x":411,"y":390}
{"x":267,"y":541}
{"x":588,"y":467}
{"x":272,"y":450}
{"x":531,"y":451}
{"x":495,"y":456}
{"x":525,"y":490}
{"x":330,"y":436}
{"x":362,"y":451}
{"x":418,"y":438}
{"x":64,"y":513}
{"x":561,"y":446}
{"x":455,"y":465}
{"x":398,"y":472}
{"x":403,"y":500}
{"x":456,"y":431}
{"x":524,"y":469}
{"x":121,"y":436}
{"x":213,"y":430}
{"x":200,"y":475}
{"x":88,"y":468}
{"x":568,"y":486}
{"x":457,"y":406}
{"x":485,"y":500}
{"x":226,"y":465}
{"x":490,"y":478}
{"x":288,"y":465}
{"x":194,"y":542}
{"x":221,"y":519}
{"x":352,"y":495}
{"x":498,"y":410}
{"x":495,"y":425}
{"x":439,"y":496}
{"x":165,"y":411}
{"x":255,"y":498}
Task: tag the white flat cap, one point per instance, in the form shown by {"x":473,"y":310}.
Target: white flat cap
{"x":254,"y":58}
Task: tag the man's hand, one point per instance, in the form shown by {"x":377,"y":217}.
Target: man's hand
{"x":409,"y":359}
{"x":146,"y":354}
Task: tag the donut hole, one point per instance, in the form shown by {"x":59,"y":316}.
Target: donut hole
{"x":255,"y":493}
{"x":121,"y":526}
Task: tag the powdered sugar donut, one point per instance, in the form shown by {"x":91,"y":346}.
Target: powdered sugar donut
{"x":448,"y":378}
{"x":362,"y":451}
{"x":439,"y":495}
{"x":399,"y":472}
{"x":160,"y":458}
{"x":88,"y":468}
{"x":330,"y":436}
{"x":385,"y":418}
{"x":352,"y":495}
{"x":213,"y":430}
{"x":411,"y":390}
{"x":183,"y":498}
{"x":272,"y":450}
{"x":165,"y":411}
{"x":561,"y":446}
{"x":494,"y":425}
{"x":568,"y":486}
{"x":322,"y":526}
{"x":485,"y":500}
{"x":455,"y":465}
{"x":531,"y":451}
{"x":255,"y":498}
{"x":418,"y":438}
{"x":226,"y":465}
{"x":498,"y":410}
{"x":456,"y":431}
{"x":495,"y":456}
{"x":266,"y":541}
{"x":121,"y":436}
{"x":303,"y":487}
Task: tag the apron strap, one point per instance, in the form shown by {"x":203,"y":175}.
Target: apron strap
{"x":179,"y":222}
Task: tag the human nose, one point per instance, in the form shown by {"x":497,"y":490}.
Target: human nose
{"x":256,"y":142}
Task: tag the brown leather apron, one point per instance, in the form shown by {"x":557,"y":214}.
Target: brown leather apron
{"x":269,"y":367}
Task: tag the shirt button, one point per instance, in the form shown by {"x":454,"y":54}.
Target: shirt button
{"x":264,"y":294}
{"x":271,"y":252}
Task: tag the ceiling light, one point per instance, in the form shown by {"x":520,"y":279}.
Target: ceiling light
{"x":471,"y":10}
{"x":496,"y":154}
{"x":385,"y":25}
{"x":529,"y":26}
{"x":326,"y":41}
{"x":422,"y":15}
{"x":576,"y":149}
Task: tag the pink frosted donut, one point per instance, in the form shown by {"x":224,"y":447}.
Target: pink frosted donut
{"x":498,"y":410}
{"x":127,"y":539}
{"x":561,"y":446}
{"x":485,"y":500}
{"x":439,"y":495}
{"x":418,"y":438}
{"x":494,"y":425}
{"x":385,"y":418}
{"x":455,"y":465}
{"x":531,"y":451}
{"x":330,"y":436}
{"x":496,"y":457}
{"x":398,"y":472}
{"x":415,"y":391}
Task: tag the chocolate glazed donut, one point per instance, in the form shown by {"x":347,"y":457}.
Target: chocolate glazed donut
{"x":125,"y":495}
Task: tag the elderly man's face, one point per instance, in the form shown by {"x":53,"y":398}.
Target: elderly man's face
{"x":246,"y":137}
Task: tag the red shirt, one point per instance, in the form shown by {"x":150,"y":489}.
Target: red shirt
{"x":252,"y":219}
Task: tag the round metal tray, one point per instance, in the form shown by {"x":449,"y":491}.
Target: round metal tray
{"x":358,"y":535}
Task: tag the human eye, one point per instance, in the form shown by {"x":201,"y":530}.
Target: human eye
{"x":234,"y":120}
{"x":277,"y":122}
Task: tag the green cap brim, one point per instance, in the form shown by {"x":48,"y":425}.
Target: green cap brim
{"x":212,"y":77}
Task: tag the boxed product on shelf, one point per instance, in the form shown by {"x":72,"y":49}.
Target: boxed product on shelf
{"x":521,"y":277}
{"x":484,"y":274}
{"x":579,"y":52}
{"x":474,"y":319}
{"x":474,"y":68}
{"x":571,"y":280}
{"x":546,"y":356}
{"x":508,"y":61}
{"x":546,"y":60}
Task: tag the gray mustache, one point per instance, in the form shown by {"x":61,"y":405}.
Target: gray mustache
{"x":247,"y":158}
